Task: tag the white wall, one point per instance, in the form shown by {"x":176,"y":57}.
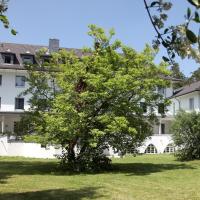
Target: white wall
{"x":168,"y":92}
{"x":8,"y":90}
{"x":182,"y":102}
{"x":31,"y":150}
{"x":159,"y":141}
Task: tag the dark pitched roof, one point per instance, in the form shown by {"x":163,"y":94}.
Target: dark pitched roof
{"x":19,"y":49}
{"x":187,"y":89}
{"x":172,"y":79}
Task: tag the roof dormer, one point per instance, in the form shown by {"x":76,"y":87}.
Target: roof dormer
{"x":28,"y":59}
{"x":9,"y":58}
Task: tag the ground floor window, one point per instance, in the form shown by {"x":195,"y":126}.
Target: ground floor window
{"x":162,"y":128}
{"x":169,"y":148}
{"x":19,"y":103}
{"x":151,"y":149}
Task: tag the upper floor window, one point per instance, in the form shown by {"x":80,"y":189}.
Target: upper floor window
{"x":28,"y":59}
{"x":161,"y":91}
{"x":162,"y":128}
{"x":0,"y":79}
{"x":8,"y":58}
{"x":161,"y":108}
{"x":46,"y":59}
{"x":143,"y":106}
{"x":19,"y":103}
{"x":191,"y":103}
{"x":20,"y":81}
{"x":174,"y":108}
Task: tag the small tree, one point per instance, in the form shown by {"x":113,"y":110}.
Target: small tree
{"x":186,"y":135}
{"x":92,"y":102}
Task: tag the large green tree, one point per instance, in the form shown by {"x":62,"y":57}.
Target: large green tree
{"x":92,"y":102}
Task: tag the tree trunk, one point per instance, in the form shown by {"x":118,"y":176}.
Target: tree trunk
{"x":71,"y":157}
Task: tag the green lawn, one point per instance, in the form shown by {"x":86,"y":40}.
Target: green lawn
{"x":148,"y":177}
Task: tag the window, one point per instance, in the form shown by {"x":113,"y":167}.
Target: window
{"x":20,"y":81}
{"x":169,"y":148}
{"x":151,"y":149}
{"x":191,"y":103}
{"x":143,"y":105}
{"x":161,"y":108}
{"x":174,"y":108}
{"x":8,"y":59}
{"x":28,"y":59}
{"x":46,"y":59}
{"x":0,"y":79}
{"x":162,"y":126}
{"x":161,"y":90}
{"x":19,"y":103}
{"x":16,"y":127}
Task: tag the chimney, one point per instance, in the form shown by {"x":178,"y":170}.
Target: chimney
{"x":53,"y":45}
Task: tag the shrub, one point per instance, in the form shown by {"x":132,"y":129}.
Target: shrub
{"x":186,"y":135}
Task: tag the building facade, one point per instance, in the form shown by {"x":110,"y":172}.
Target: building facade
{"x":187,"y":99}
{"x":13,"y":103}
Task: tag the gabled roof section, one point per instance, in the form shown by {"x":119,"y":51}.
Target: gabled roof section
{"x":187,"y":89}
{"x":19,"y":49}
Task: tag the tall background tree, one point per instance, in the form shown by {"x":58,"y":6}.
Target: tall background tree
{"x":195,"y":76}
{"x":93,"y":102}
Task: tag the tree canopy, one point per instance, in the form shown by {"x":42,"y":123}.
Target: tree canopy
{"x":93,"y":102}
{"x":186,"y":135}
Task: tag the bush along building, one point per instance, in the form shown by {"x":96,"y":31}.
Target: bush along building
{"x":13,"y":104}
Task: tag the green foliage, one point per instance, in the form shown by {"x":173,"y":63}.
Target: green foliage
{"x":195,"y":76}
{"x":178,"y":39}
{"x":186,"y":135}
{"x":191,"y":36}
{"x":176,"y":73}
{"x":93,"y":102}
{"x":33,"y":138}
{"x":195,"y":3}
{"x":3,"y":18}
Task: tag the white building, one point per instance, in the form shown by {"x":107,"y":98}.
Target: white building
{"x":13,"y":104}
{"x":186,"y":98}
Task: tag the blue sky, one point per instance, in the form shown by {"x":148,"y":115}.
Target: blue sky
{"x":68,"y":20}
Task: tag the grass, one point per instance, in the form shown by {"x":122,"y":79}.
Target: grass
{"x":152,"y":177}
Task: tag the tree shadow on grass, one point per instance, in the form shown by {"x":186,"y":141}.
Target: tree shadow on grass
{"x":10,"y":168}
{"x":141,"y":169}
{"x":54,"y":194}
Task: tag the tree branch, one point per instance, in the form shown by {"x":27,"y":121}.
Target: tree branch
{"x":159,"y":35}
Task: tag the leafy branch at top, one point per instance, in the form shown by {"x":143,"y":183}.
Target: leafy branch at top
{"x":3,"y":17}
{"x":179,"y":39}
